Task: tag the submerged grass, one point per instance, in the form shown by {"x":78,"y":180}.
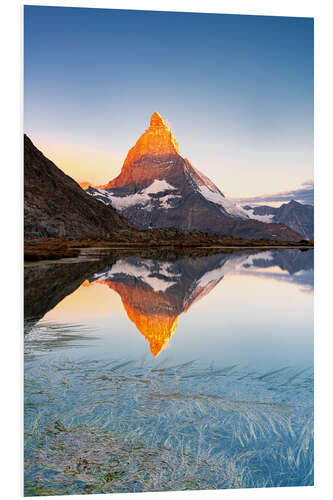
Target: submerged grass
{"x":122,"y":426}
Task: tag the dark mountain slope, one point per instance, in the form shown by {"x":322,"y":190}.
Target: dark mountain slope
{"x":56,"y":206}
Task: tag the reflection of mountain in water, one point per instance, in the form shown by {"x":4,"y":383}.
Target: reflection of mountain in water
{"x":292,"y":261}
{"x":297,"y":264}
{"x":46,"y":284}
{"x":154,"y":291}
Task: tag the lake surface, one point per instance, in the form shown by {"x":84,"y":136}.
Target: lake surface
{"x":148,"y":371}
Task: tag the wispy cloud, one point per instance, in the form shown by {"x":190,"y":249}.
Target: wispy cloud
{"x":304,"y":194}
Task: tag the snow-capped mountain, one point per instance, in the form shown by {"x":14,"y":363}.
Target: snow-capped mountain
{"x":159,"y":188}
{"x":295,"y":215}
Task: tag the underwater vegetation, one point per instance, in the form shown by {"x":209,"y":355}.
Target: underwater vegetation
{"x":97,"y":426}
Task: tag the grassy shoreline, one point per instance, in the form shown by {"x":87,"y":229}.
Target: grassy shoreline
{"x":54,"y":248}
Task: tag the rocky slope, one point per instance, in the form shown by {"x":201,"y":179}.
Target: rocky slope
{"x":159,"y":188}
{"x":56,"y":206}
{"x":293,"y":214}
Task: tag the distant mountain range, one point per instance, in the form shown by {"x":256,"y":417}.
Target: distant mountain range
{"x":159,"y":188}
{"x":293,"y":214}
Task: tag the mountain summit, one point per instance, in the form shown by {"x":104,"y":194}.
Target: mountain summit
{"x":158,"y":138}
{"x":156,"y":142}
{"x":157,"y":187}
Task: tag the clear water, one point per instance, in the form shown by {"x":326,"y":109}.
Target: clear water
{"x":150,"y":372}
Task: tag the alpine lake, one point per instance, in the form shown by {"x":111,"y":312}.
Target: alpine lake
{"x":154,"y":371}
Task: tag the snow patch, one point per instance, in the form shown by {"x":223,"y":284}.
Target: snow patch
{"x":157,"y":284}
{"x":249,"y":261}
{"x":157,"y":186}
{"x":120,"y":202}
{"x":141,"y":198}
{"x":123,"y":202}
{"x":261,"y":218}
{"x":218,"y":199}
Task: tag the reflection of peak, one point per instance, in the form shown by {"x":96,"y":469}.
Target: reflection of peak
{"x":155,"y":293}
{"x":157,"y":329}
{"x":154,"y":316}
{"x":157,"y":323}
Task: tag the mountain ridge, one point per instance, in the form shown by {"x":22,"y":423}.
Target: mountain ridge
{"x":56,"y":206}
{"x":189,"y":199}
{"x":297,"y":216}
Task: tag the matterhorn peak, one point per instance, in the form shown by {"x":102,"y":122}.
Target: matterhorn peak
{"x":157,"y":140}
{"x":157,"y":121}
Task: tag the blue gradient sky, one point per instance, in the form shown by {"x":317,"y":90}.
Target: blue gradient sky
{"x":237,"y":92}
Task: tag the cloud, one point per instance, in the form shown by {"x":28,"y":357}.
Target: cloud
{"x":305,"y":194}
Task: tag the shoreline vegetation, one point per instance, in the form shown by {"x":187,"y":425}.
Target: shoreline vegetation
{"x":36,"y":249}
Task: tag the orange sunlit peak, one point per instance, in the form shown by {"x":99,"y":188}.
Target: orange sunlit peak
{"x":157,"y":140}
{"x":157,"y":120}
